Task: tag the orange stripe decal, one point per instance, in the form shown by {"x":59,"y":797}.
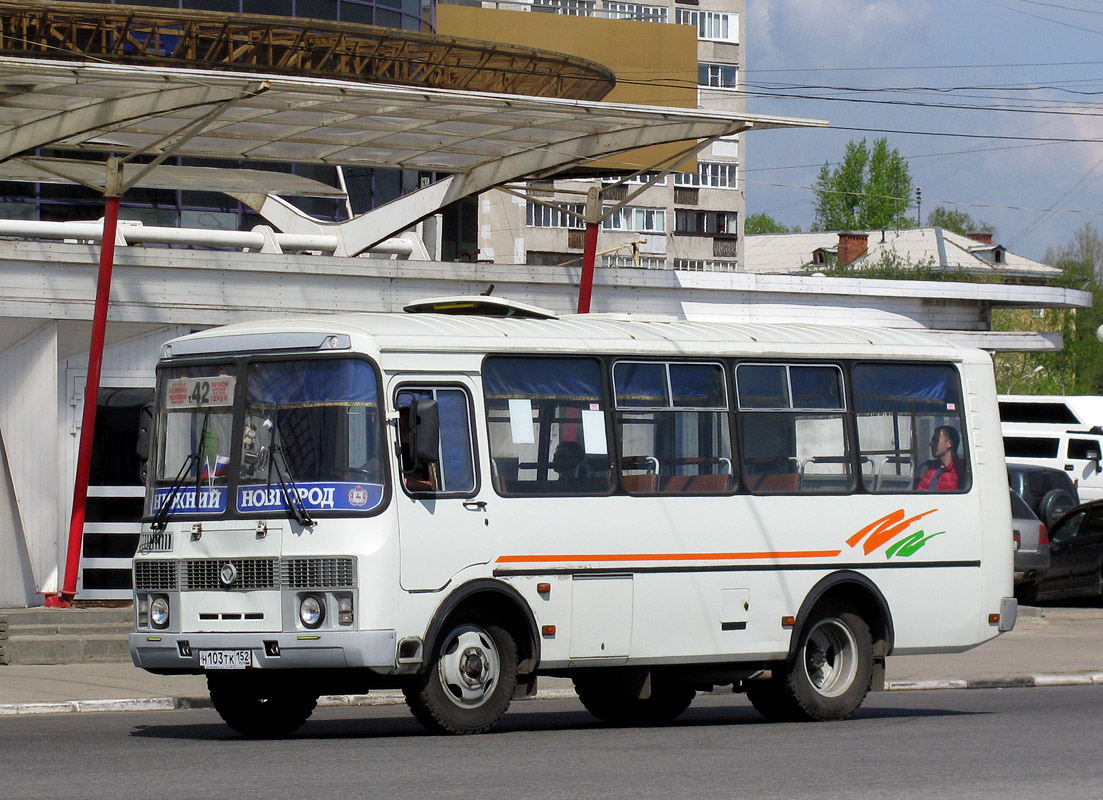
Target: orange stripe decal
{"x":527,"y":559}
{"x":884,"y":529}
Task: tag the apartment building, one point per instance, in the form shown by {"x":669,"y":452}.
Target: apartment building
{"x":688,"y":220}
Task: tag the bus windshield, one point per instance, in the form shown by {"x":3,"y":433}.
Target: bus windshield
{"x":307,"y":430}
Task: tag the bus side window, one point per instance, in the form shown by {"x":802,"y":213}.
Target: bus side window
{"x":792,"y":429}
{"x":547,"y":426}
{"x":903,"y":413}
{"x":444,"y":466}
{"x":672,"y":427}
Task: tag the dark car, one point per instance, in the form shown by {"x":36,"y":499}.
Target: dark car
{"x":1075,"y":555}
{"x":1048,"y":492}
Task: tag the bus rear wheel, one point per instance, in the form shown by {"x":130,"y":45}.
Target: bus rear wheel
{"x":260,"y":707}
{"x":830,"y":675}
{"x":470,"y":683}
{"x":612,"y":704}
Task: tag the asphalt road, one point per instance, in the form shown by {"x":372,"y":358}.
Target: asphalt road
{"x":960,"y":744}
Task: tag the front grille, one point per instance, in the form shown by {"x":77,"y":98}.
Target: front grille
{"x":252,"y":573}
{"x":319,"y":573}
{"x":155,"y":575}
{"x":197,"y":575}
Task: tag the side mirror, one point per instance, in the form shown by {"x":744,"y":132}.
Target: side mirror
{"x":419,"y":429}
{"x":145,"y":433}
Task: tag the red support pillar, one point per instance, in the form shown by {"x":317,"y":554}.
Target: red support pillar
{"x":589,"y":250}
{"x":91,"y":396}
{"x":589,"y":255}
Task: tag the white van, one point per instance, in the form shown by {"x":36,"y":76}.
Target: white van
{"x":1082,"y":412}
{"x":1078,"y":454}
{"x":1061,"y":431}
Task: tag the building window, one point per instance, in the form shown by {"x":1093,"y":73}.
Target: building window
{"x":570,"y":8}
{"x":710,"y":174}
{"x":628,"y":262}
{"x":639,"y":180}
{"x":635,"y":218}
{"x":704,"y":265}
{"x":712,"y":26}
{"x":545,"y":258}
{"x":636,"y":11}
{"x":706,"y":223}
{"x":541,"y":216}
{"x":717,"y":76}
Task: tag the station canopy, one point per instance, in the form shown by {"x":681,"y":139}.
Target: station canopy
{"x":477,"y":140}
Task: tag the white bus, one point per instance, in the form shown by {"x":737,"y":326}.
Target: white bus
{"x":454,"y":505}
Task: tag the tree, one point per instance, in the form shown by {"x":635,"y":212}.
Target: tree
{"x":1078,"y":368}
{"x":868,"y":189}
{"x":957,"y":221}
{"x":764,"y":223}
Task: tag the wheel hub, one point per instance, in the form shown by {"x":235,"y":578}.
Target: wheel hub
{"x":830,"y":658}
{"x":474,"y":667}
{"x":469,"y":666}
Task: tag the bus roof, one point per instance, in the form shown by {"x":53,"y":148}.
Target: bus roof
{"x":577,"y":333}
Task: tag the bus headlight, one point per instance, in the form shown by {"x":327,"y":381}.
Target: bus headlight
{"x":312,"y":611}
{"x":159,"y":612}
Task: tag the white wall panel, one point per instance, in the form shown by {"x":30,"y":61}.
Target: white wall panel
{"x":28,"y":390}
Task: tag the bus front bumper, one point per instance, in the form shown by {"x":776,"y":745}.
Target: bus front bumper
{"x":185,"y":652}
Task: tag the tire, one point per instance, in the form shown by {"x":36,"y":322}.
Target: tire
{"x":830,"y":675}
{"x":260,"y":707}
{"x":1055,"y":504}
{"x":470,"y":681}
{"x":602,"y":699}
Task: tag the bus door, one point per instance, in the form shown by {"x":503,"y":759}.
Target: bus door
{"x":443,"y":516}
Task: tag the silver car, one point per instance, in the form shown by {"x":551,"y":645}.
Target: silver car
{"x":1031,"y":548}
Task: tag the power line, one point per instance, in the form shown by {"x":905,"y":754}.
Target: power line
{"x":1044,"y":19}
{"x":928,"y":67}
{"x":937,"y":201}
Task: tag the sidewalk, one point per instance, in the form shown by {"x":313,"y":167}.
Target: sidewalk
{"x":1049,"y":646}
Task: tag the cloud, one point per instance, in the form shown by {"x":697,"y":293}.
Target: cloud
{"x":818,"y":33}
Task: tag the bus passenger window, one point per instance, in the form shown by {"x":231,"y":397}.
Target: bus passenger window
{"x":792,"y":429}
{"x":910,"y":427}
{"x":454,"y":471}
{"x":672,"y":426}
{"x":547,"y":426}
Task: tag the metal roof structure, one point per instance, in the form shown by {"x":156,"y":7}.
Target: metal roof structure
{"x":291,"y":45}
{"x":478,"y":139}
{"x":204,"y":179}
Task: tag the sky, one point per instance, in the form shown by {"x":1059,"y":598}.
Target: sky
{"x":1019,"y":84}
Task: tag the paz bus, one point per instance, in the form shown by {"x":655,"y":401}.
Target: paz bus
{"x":458,"y":500}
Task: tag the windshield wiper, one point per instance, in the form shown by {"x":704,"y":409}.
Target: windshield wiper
{"x":296,"y":508}
{"x":160,"y":521}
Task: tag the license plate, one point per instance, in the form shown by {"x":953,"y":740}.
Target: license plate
{"x":225,"y":659}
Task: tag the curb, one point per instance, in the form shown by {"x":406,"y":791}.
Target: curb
{"x":393,"y":699}
{"x":1020,"y":682}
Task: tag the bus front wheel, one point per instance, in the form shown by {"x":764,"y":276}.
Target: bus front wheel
{"x":830,"y":675}
{"x":470,"y":683}
{"x":260,"y":708}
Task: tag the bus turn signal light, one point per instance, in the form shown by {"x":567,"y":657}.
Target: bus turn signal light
{"x":993,"y":619}
{"x":788,"y":622}
{"x":548,"y":630}
{"x":543,"y":588}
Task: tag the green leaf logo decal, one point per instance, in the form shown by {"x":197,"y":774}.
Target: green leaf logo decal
{"x":909,"y":545}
